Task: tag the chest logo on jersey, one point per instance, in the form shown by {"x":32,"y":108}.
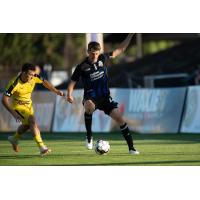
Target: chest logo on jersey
{"x":96,"y":75}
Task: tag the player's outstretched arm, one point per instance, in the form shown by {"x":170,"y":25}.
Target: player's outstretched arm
{"x":70,"y":90}
{"x":50,"y":87}
{"x":5,"y":102}
{"x":122,"y":46}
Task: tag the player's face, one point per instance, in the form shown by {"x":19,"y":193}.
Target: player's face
{"x":93,"y":55}
{"x":29,"y":75}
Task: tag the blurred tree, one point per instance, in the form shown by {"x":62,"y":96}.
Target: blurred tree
{"x":74,"y":50}
{"x":62,"y":51}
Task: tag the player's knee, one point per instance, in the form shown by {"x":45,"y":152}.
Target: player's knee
{"x":32,"y":122}
{"x":89,"y":111}
{"x":33,"y":125}
{"x":89,"y":107}
{"x":120,"y":121}
{"x":23,"y":129}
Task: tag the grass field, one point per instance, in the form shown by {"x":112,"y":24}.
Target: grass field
{"x":68,"y":150}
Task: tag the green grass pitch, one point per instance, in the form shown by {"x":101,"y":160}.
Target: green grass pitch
{"x":68,"y":149}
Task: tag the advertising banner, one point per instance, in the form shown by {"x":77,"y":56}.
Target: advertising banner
{"x":151,"y":110}
{"x":191,"y":117}
{"x":70,"y":117}
{"x":43,"y":103}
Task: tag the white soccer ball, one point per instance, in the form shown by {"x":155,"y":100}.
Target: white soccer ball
{"x":102,"y":147}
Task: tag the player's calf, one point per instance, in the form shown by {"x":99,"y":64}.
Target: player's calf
{"x":129,"y":139}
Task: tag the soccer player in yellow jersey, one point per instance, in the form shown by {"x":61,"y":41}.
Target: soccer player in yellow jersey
{"x":19,"y":90}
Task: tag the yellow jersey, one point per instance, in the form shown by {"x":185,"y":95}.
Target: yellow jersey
{"x":20,"y":91}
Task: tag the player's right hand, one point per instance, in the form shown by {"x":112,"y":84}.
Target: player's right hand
{"x":70,"y":99}
{"x":60,"y":93}
{"x":17,"y":117}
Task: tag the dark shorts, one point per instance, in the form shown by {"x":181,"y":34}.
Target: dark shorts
{"x":105,"y":104}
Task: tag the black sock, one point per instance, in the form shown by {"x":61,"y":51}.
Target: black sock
{"x":88,"y":126}
{"x":127,"y":135}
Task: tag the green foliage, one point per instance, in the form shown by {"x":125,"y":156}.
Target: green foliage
{"x":156,"y":46}
{"x":39,"y":48}
{"x":62,"y":51}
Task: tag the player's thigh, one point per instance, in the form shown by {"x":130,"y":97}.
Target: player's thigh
{"x":32,"y":121}
{"x":107,"y":105}
{"x":89,"y":106}
{"x":23,"y":128}
{"x":24,"y":112}
{"x":117,"y":116}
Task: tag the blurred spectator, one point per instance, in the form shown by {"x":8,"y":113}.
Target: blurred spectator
{"x":39,"y":72}
{"x":37,"y":69}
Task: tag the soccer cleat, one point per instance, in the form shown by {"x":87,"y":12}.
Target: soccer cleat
{"x":134,"y":152}
{"x":89,"y":145}
{"x":14,"y":143}
{"x":44,"y":151}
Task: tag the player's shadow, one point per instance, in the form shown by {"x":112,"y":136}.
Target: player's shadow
{"x":10,"y":157}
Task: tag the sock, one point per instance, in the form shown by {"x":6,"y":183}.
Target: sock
{"x":17,"y":136}
{"x":39,"y":141}
{"x":127,"y":135}
{"x":88,"y":126}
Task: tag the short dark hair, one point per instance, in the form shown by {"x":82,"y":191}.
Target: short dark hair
{"x":94,"y":45}
{"x":28,"y":66}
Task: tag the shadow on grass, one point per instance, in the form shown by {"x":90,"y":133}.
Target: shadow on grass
{"x":10,"y":157}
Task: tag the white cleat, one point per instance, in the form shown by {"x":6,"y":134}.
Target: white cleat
{"x":89,"y":145}
{"x":44,"y":151}
{"x":134,"y":152}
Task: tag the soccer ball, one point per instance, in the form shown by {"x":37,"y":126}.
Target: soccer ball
{"x":102,"y":147}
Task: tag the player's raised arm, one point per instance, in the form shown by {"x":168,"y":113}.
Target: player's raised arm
{"x":70,"y":90}
{"x":5,"y":102}
{"x":49,"y":86}
{"x":122,"y":46}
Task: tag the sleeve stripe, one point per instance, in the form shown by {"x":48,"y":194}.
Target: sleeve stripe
{"x":10,"y":89}
{"x":7,"y":94}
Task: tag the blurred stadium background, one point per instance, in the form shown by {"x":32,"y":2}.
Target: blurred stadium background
{"x":157,"y":79}
{"x":156,"y":82}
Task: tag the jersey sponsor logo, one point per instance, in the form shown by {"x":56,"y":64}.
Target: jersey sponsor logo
{"x":96,"y":75}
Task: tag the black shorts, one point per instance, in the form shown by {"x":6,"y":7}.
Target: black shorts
{"x":105,"y":104}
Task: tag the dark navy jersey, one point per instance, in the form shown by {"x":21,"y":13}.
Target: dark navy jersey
{"x":94,"y":77}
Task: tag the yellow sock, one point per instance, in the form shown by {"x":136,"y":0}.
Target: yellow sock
{"x":17,"y":136}
{"x":39,"y":141}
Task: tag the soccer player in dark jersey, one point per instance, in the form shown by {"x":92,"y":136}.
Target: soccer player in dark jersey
{"x":93,"y":72}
